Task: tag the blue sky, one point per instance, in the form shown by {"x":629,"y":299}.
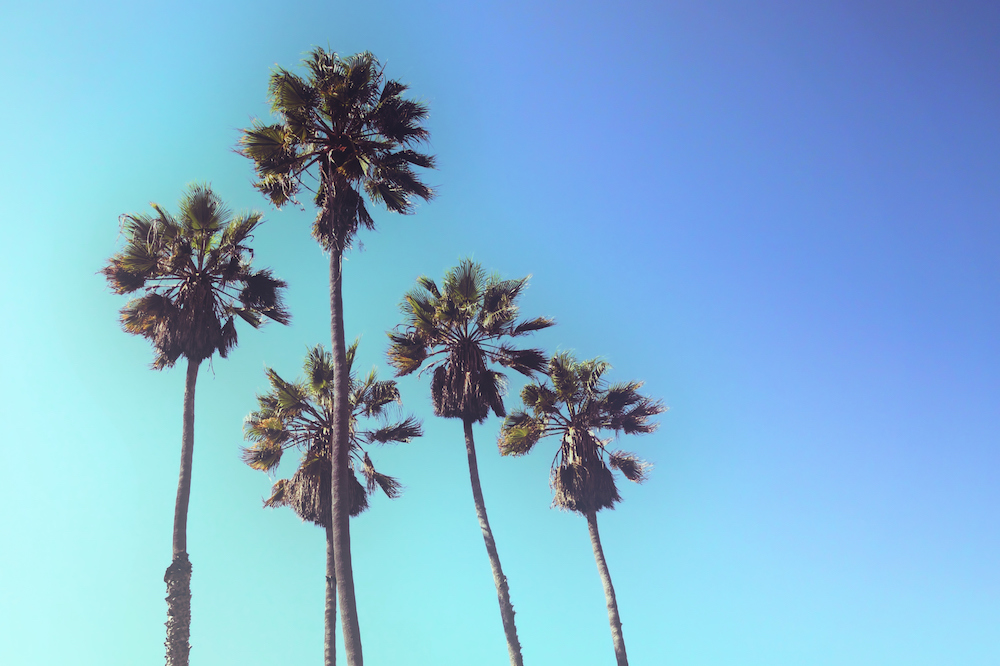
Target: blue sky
{"x":783,"y":218}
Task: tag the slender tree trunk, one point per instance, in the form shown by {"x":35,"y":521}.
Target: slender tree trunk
{"x":503,"y":592}
{"x":178,"y":575}
{"x":330,"y":626}
{"x":339,"y":446}
{"x":609,"y":590}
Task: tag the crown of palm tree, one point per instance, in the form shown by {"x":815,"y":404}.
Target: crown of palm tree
{"x":342,"y":127}
{"x":577,"y":404}
{"x":459,"y":329}
{"x":300,"y":415}
{"x":195,"y":271}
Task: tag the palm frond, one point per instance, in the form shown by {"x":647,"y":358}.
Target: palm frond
{"x":633,"y":467}
{"x":279,"y":494}
{"x":318,"y":368}
{"x":636,"y":420}
{"x":578,"y":404}
{"x":525,"y":361}
{"x":564,"y":378}
{"x":262,"y":293}
{"x":463,"y":323}
{"x":389,"y":485}
{"x":201,"y":209}
{"x":401,"y":431}
{"x":530,"y":326}
{"x":406,"y":352}
{"x":264,"y":455}
{"x":519,"y":433}
{"x":190,"y":268}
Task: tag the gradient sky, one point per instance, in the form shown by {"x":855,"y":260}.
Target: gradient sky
{"x":783,"y":218}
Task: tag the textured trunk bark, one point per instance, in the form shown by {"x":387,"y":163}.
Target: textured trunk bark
{"x":178,"y":574}
{"x":330,"y":632}
{"x":339,"y":446}
{"x":609,"y":590}
{"x":503,"y":592}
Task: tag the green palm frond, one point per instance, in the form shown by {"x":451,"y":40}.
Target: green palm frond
{"x":429,"y":286}
{"x":264,"y":455}
{"x":564,"y":379}
{"x":343,"y":126}
{"x":540,"y":399}
{"x":407,"y":352}
{"x":464,"y":283}
{"x":318,"y":369}
{"x":291,"y":399}
{"x":463,"y":325}
{"x":575,"y":403}
{"x":299,"y":415}
{"x":240,"y":230}
{"x":520,"y":433}
{"x":374,"y":396}
{"x":202,"y":210}
{"x":590,"y":373}
{"x":197,"y":275}
{"x":350,"y":354}
{"x":265,"y":426}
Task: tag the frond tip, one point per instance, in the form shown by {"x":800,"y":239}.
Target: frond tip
{"x":630,"y":465}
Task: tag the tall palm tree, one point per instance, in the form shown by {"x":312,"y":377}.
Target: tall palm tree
{"x":195,"y":275}
{"x":458,"y":330}
{"x":300,"y":415}
{"x":342,"y":128}
{"x":577,"y":406}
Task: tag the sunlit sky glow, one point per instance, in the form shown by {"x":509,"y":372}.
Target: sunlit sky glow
{"x":782,"y":217}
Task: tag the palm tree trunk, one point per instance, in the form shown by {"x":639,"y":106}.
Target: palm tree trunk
{"x":330,"y":626}
{"x":178,"y":574}
{"x":339,"y":446}
{"x":609,"y":590}
{"x":503,"y":592}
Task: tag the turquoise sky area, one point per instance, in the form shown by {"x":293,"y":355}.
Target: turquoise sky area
{"x":782,"y":216}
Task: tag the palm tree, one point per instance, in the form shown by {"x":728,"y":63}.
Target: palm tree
{"x":196,"y":277}
{"x":577,"y":406}
{"x":300,"y":415}
{"x":459,"y":329}
{"x":342,"y":127}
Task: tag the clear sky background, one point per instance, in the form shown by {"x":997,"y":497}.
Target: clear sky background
{"x":783,"y":218}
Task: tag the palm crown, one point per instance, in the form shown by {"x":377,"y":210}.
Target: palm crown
{"x":196,"y":275}
{"x":300,"y":415}
{"x":460,"y":328}
{"x":342,"y":127}
{"x":577,"y":404}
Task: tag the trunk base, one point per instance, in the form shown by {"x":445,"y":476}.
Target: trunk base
{"x":178,"y":580}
